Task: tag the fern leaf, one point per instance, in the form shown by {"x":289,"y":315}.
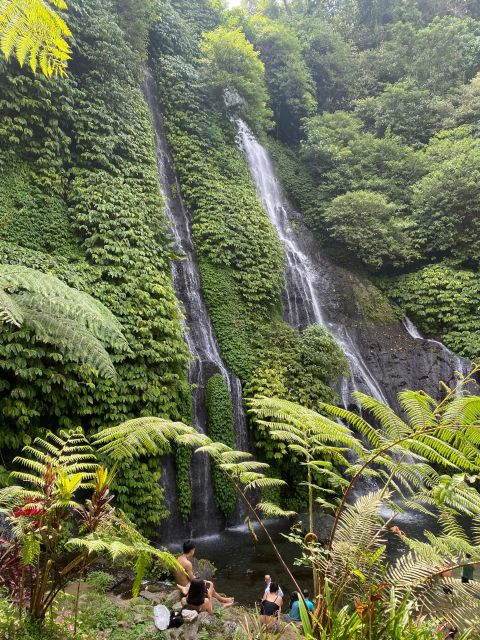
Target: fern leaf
{"x":31,"y":28}
{"x":270,"y":510}
{"x":141,"y":567}
{"x":10,"y":311}
{"x":142,"y":435}
{"x":77,"y":343}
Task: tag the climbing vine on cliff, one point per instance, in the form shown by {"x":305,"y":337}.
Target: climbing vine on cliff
{"x":240,"y":256}
{"x":221,"y":429}
{"x":90,"y":199}
{"x":443,"y":302}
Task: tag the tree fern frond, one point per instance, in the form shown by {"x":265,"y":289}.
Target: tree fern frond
{"x":440,"y":452}
{"x":14,"y":495}
{"x":10,"y":311}
{"x":270,"y":510}
{"x":67,"y":318}
{"x":31,"y":28}
{"x":260,"y":481}
{"x":28,"y":478}
{"x":463,"y":411}
{"x":44,"y":443}
{"x":249,"y":465}
{"x":141,"y":566}
{"x":141,"y":435}
{"x":418,"y":406}
{"x":355,"y":420}
{"x":390,"y":423}
{"x":118,"y":547}
{"x":411,"y":571}
{"x":65,"y":302}
{"x":76,"y":342}
{"x":32,"y":465}
{"x":289,"y":418}
{"x":69,"y":450}
{"x":360,"y":520}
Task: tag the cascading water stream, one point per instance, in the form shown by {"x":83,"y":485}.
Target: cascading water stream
{"x":303,"y":283}
{"x":205,"y":353}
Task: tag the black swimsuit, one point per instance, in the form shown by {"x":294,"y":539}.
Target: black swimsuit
{"x":269,"y":608}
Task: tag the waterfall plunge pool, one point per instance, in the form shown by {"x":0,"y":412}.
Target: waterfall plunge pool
{"x":241,"y":564}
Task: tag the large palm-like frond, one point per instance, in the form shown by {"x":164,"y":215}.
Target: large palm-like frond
{"x":152,"y":435}
{"x":289,"y":421}
{"x":117,"y":547}
{"x":141,"y":436}
{"x":71,"y":320}
{"x":32,"y":30}
{"x":423,"y":576}
{"x":320,"y":444}
{"x":70,"y":451}
{"x":426,"y":460}
{"x":67,"y":454}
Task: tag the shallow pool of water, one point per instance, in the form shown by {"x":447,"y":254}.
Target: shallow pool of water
{"x":241,"y":564}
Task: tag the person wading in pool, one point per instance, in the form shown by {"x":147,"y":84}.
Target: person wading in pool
{"x":185,"y":575}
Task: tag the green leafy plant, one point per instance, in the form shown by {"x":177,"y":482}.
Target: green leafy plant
{"x":407,"y":457}
{"x":33,"y":29}
{"x":80,"y":201}
{"x":183,"y":458}
{"x":44,"y":512}
{"x":232,"y":65}
{"x":221,"y":429}
{"x":101,"y":581}
{"x":71,"y":320}
{"x":442,"y":301}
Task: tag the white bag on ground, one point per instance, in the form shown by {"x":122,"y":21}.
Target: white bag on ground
{"x":161,"y":617}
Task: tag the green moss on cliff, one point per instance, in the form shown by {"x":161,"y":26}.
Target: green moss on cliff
{"x":80,"y":197}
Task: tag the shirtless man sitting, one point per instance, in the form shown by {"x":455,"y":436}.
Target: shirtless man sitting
{"x":185,"y":575}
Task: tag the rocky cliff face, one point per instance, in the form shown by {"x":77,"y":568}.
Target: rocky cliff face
{"x":397,"y":360}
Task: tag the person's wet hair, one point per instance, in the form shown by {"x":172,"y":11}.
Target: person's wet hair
{"x":305,"y":593}
{"x":273,"y":587}
{"x":196,"y":593}
{"x":293,"y":596}
{"x":188,"y":546}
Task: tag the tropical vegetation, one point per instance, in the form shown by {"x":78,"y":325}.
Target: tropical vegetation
{"x":370,"y":111}
{"x":33,"y":30}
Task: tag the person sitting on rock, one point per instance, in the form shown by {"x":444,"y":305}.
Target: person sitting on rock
{"x":184,"y":576}
{"x":306,"y":598}
{"x":294,"y":613}
{"x":271,"y":606}
{"x":200,"y":596}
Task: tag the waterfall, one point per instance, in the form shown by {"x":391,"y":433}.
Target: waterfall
{"x":304,"y":288}
{"x":205,"y":353}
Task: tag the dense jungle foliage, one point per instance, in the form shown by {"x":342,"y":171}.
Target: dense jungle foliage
{"x":80,"y":199}
{"x":385,"y":167}
{"x":371,"y":112}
